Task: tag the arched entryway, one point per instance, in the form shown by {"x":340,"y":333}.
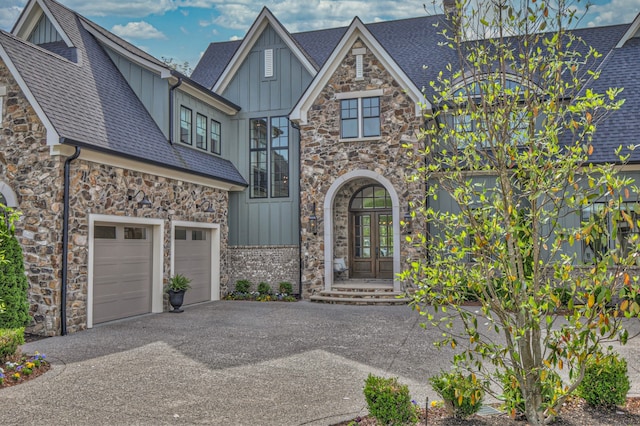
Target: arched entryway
{"x":371,"y":233}
{"x":331,"y":237}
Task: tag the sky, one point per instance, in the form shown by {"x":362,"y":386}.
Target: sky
{"x":182,"y":29}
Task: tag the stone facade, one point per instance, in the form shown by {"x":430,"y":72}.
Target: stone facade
{"x":270,"y":264}
{"x":27,"y":166}
{"x":325,"y":158}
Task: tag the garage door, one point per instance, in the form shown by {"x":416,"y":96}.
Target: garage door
{"x":122,"y":271}
{"x":193,"y":260}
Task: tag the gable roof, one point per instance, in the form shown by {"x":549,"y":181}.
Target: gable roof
{"x":264,"y":19}
{"x":357,"y":30}
{"x":91,"y":104}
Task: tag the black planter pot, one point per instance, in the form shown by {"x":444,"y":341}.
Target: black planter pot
{"x":176,"y":298}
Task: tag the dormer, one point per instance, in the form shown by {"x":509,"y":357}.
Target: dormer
{"x":38,"y":26}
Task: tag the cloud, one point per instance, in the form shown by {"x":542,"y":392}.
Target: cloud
{"x":138,"y":30}
{"x":9,"y":15}
{"x":614,"y":12}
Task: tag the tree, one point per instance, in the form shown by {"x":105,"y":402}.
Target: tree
{"x":14,"y":304}
{"x":507,"y":149}
{"x":184,"y":68}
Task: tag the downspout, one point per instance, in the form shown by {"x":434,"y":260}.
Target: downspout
{"x":171,"y":89}
{"x":65,"y":243}
{"x":300,"y":263}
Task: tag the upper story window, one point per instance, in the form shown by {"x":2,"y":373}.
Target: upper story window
{"x":207,"y":132}
{"x":185,"y":125}
{"x":201,"y":132}
{"x":360,"y":117}
{"x":215,"y":137}
{"x":269,"y":157}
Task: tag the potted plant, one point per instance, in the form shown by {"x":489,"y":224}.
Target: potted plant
{"x":176,"y":287}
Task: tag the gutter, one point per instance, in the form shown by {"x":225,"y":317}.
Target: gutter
{"x":65,"y":243}
{"x":171,"y":118}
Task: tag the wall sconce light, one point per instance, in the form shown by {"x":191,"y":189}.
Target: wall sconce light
{"x":209,"y":207}
{"x":313,"y":221}
{"x":408,"y":219}
{"x":142,"y":203}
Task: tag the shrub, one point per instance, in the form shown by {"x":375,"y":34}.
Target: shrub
{"x":513,"y":401}
{"x":605,"y":383}
{"x":243,"y":286}
{"x":462,"y":394}
{"x":13,"y":282}
{"x":389,"y":401}
{"x":264,"y":289}
{"x":10,"y":339}
{"x":285,"y":288}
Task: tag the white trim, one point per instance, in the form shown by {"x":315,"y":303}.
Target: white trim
{"x":29,"y":19}
{"x":126,"y":163}
{"x":8,"y":194}
{"x":52,"y":135}
{"x":157,"y":266}
{"x":215,"y":251}
{"x":328,"y":222}
{"x":631,"y":32}
{"x":356,"y":30}
{"x":360,"y":94}
{"x":265,"y":18}
{"x":165,"y":72}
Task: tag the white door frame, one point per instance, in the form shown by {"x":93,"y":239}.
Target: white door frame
{"x":157,"y":226}
{"x":328,"y":222}
{"x":215,"y":251}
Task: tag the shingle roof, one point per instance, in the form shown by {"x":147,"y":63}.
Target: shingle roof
{"x":92,"y":105}
{"x":619,"y":70}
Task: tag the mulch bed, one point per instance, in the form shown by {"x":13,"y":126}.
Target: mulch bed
{"x":575,"y":413}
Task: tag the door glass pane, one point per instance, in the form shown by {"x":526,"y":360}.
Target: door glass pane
{"x":385,"y":234}
{"x":131,"y":233}
{"x":362,"y":237}
{"x":105,"y":232}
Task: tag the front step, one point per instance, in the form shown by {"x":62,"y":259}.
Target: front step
{"x":347,"y":295}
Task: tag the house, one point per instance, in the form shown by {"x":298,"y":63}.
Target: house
{"x":279,"y":154}
{"x":116,"y":195}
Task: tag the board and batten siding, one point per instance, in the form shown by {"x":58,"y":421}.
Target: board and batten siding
{"x":152,"y":90}
{"x":44,"y":32}
{"x":266,"y":221}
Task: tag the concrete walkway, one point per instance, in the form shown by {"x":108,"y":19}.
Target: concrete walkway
{"x":233,"y":363}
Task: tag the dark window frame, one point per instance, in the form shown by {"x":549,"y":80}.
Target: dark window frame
{"x":216,"y":143}
{"x":202,"y":144}
{"x":360,"y":111}
{"x":186,"y":132}
{"x":269,"y":154}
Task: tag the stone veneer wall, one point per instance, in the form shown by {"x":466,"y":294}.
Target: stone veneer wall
{"x":325,"y":158}
{"x":270,"y":264}
{"x":36,"y":177}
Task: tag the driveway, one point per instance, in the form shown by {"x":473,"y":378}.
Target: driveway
{"x":232,"y":363}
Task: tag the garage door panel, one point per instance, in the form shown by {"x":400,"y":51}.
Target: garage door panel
{"x":193,"y":260}
{"x":122,"y":277}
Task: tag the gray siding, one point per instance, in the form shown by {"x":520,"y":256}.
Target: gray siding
{"x":44,"y":32}
{"x":152,"y":90}
{"x":269,"y":221}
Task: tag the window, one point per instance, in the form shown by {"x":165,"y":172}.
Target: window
{"x":360,"y":118}
{"x":185,"y":125}
{"x":610,"y":230}
{"x":279,"y":157}
{"x":180,"y":234}
{"x":105,"y":232}
{"x":258,"y":154}
{"x":131,"y":233}
{"x":198,"y":235}
{"x":269,"y":157}
{"x":215,"y":137}
{"x":201,"y":132}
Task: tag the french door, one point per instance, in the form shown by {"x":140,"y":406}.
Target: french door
{"x":371,"y":244}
